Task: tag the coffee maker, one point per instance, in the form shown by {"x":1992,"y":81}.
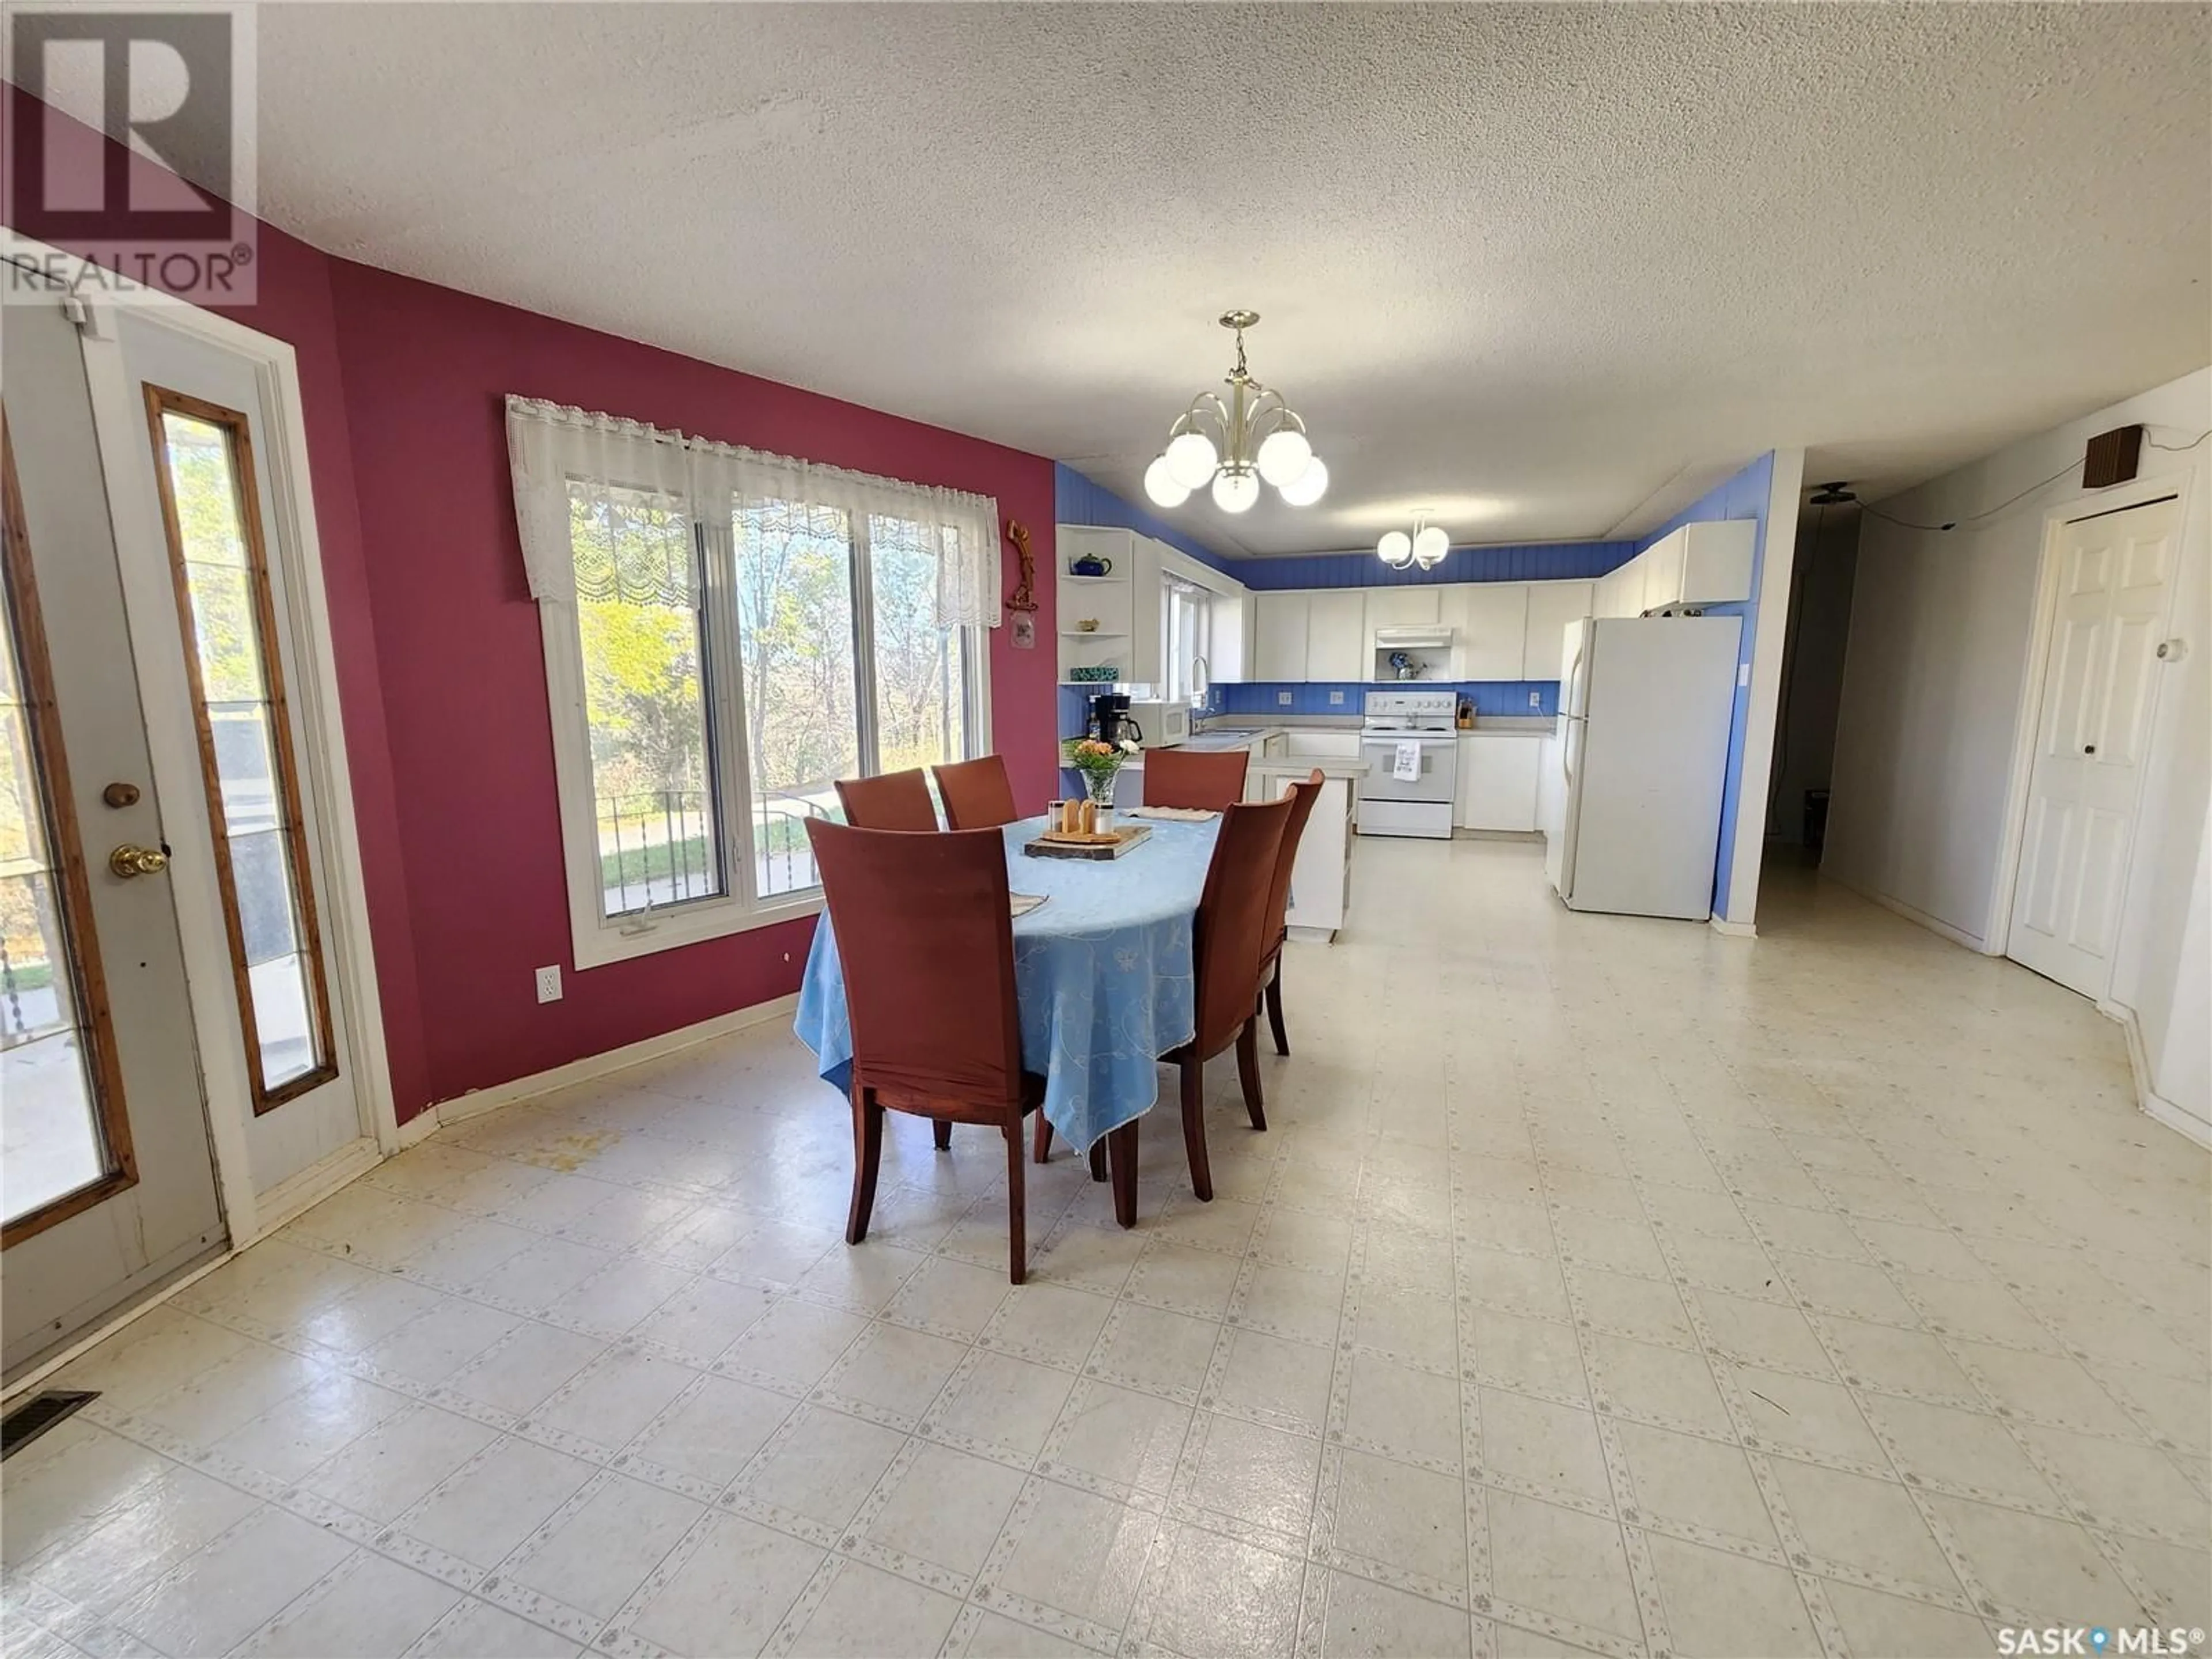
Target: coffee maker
{"x":1109,"y":719}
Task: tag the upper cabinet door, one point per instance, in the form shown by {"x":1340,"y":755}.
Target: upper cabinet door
{"x":1401,"y":607}
{"x":1716,"y":561}
{"x":1551,"y":606}
{"x":1663,"y":572}
{"x":1492,"y":640}
{"x":1279,"y":649}
{"x":1336,"y":635}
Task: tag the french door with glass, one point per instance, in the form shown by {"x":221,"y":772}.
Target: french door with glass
{"x":164,"y":962}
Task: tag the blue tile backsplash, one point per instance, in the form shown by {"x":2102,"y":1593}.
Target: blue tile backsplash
{"x":1493,"y":698}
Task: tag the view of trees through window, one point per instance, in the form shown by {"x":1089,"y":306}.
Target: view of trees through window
{"x":645,"y":697}
{"x":831,"y":624}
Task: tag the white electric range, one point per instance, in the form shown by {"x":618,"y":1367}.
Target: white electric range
{"x":1410,"y":743}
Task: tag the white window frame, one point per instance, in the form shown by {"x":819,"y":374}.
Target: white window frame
{"x":596,"y":939}
{"x":1200,"y":599}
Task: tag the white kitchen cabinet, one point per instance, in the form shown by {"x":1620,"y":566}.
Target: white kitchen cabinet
{"x":1715,"y":567}
{"x":1279,"y":648}
{"x":1490,"y":626}
{"x":1620,"y":591}
{"x":1551,"y":606}
{"x":1322,"y":746}
{"x":1498,"y":774}
{"x":1401,"y":607}
{"x":1336,"y":635}
{"x":1321,"y":879}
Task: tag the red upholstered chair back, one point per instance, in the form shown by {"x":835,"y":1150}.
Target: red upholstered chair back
{"x":1194,"y":777}
{"x":925,"y":935}
{"x":976,"y":793}
{"x":895,"y":800}
{"x":1303,"y":795}
{"x":1233,"y":918}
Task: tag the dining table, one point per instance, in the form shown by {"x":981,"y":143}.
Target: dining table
{"x":1103,"y":977}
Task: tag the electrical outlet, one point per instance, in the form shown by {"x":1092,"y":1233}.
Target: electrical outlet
{"x":1743,"y":673}
{"x":549,"y":984}
{"x":1535,"y":700}
{"x":1335,"y":697}
{"x":1283,"y":698}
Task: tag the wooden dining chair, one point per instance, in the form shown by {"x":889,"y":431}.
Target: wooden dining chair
{"x":976,"y":793}
{"x":925,"y":937}
{"x":890,"y":800}
{"x":1210,"y":779}
{"x":1228,"y":942}
{"x":1303,"y":795}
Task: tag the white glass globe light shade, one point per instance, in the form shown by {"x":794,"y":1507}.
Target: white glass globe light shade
{"x":1191,"y":459}
{"x":1431,"y":544}
{"x":1161,"y":485}
{"x":1396,"y":547}
{"x":1235,"y":492}
{"x":1306,"y":489}
{"x":1284,"y":454}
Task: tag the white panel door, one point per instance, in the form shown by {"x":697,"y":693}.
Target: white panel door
{"x":1551,"y":606}
{"x":1279,"y":650}
{"x":1493,"y":642}
{"x":2114,"y":573}
{"x":1336,"y":636}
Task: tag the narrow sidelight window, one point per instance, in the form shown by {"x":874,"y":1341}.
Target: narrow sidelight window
{"x":68,"y":1144}
{"x":203,"y":459}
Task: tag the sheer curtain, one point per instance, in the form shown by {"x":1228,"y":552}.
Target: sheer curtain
{"x":554,"y":449}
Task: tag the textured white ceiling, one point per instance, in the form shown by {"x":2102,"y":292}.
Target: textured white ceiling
{"x":1548,"y":271}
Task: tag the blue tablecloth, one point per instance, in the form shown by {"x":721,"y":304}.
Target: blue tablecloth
{"x":1102,"y":971}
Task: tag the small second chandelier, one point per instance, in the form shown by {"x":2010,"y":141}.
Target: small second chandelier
{"x":1236,"y":443}
{"x":1425,"y":547}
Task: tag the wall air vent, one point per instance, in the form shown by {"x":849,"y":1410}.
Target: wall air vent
{"x":2111,"y":457}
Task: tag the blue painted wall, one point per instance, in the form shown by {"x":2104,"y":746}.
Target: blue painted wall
{"x":1743,"y":496}
{"x":1077,"y":500}
{"x":1542,"y":561}
{"x":1080,"y":501}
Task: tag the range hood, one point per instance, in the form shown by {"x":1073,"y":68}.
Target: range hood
{"x":1433,"y":637}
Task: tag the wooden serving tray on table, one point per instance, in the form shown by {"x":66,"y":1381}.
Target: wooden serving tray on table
{"x":1063,"y":844}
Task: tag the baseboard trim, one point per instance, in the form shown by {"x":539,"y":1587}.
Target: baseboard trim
{"x":1732,"y":929}
{"x":296,"y":1195}
{"x":2155,"y":1106}
{"x":477,"y":1102}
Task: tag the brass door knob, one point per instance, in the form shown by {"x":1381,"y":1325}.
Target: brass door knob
{"x":127,"y":861}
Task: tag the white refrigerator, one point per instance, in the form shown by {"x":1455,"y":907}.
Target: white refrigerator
{"x":1645,"y":706}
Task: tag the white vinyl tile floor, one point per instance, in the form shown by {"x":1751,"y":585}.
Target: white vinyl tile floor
{"x":1600,"y":1285}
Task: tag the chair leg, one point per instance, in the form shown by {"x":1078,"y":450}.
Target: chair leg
{"x":867,"y":1154}
{"x":941,"y":1133}
{"x":1017,"y":1230}
{"x":1098,"y":1160}
{"x":1043,"y":1138}
{"x":1122,"y":1150}
{"x":1248,"y":1071}
{"x":1274,"y":995}
{"x":1194,"y":1125}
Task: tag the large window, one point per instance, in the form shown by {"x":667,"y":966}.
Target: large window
{"x":726,"y":635}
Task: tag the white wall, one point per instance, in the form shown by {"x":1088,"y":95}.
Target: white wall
{"x":1934,"y":685}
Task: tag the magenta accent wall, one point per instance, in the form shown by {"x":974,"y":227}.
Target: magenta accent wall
{"x":441,"y":678}
{"x":463,"y":673}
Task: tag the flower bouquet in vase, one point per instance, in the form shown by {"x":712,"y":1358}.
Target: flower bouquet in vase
{"x":1100,"y":762}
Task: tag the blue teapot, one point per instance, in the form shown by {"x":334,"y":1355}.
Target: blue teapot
{"x":1090,"y":565}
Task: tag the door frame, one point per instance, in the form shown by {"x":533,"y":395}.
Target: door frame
{"x":149,"y":601}
{"x":1996,"y":933}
